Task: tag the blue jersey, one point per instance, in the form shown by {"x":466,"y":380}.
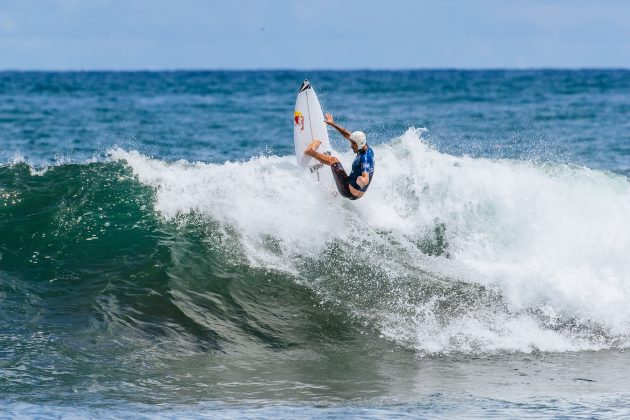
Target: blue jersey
{"x":364,"y":162}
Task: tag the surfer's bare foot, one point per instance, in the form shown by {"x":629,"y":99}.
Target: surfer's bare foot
{"x":312,"y":147}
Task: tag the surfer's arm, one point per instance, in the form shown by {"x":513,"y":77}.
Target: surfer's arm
{"x":363,"y":180}
{"x":329,"y":120}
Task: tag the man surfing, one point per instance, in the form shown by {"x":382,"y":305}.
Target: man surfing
{"x":351,"y":186}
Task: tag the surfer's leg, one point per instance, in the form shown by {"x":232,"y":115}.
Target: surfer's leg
{"x":342,"y":181}
{"x":325,"y":159}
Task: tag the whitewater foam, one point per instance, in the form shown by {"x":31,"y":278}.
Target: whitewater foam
{"x":547,"y":244}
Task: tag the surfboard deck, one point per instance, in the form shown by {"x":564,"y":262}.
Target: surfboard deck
{"x":308,"y":124}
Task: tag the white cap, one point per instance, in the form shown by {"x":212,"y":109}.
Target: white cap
{"x":359,"y":138}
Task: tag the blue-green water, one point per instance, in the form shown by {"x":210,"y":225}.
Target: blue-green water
{"x":161,"y":254}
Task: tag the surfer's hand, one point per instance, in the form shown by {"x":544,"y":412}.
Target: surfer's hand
{"x":361,"y":182}
{"x":329,"y":119}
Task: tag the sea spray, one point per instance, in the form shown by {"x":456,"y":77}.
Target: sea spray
{"x":536,"y":251}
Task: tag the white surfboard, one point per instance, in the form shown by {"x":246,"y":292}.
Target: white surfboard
{"x":308,"y":124}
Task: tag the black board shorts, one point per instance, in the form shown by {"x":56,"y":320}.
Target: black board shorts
{"x":342,"y":180}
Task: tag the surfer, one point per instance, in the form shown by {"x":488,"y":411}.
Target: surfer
{"x":351,"y":186}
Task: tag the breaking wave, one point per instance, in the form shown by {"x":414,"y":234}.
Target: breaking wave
{"x":444,"y":254}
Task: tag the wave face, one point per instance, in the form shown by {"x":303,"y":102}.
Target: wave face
{"x":444,"y":254}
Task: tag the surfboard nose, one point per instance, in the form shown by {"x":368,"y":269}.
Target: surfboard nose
{"x":305,"y":85}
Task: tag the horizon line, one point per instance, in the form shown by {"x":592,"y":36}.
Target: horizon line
{"x":281,"y":69}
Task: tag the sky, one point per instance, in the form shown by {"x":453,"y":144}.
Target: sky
{"x":305,"y":34}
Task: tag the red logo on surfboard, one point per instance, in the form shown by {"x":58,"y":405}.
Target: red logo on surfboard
{"x":299,"y":119}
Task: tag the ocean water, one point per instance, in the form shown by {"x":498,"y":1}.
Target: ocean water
{"x":162,"y":255}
